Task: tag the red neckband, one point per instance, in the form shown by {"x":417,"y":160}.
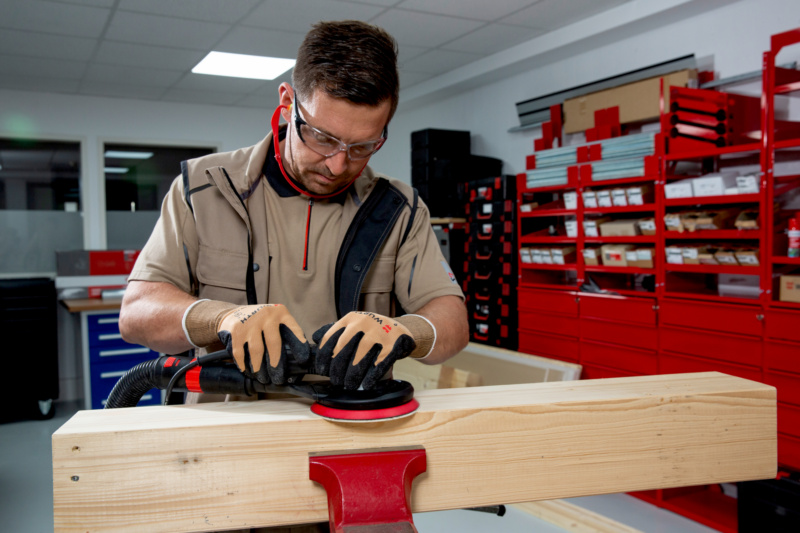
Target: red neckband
{"x":276,"y":118}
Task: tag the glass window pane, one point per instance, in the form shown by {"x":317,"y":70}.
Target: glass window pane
{"x":137,"y":178}
{"x":39,"y":204}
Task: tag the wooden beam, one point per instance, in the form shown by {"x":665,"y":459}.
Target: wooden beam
{"x":211,"y":467}
{"x":573,"y":518}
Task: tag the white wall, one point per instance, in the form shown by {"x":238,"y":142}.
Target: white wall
{"x":733,"y":36}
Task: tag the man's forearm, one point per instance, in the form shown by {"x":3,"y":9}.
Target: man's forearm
{"x":152,"y":314}
{"x":448,"y":314}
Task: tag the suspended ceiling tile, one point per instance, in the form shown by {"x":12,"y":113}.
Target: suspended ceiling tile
{"x":407,"y":79}
{"x":227,"y":11}
{"x":493,"y":38}
{"x":423,"y":29}
{"x":439,"y":61}
{"x":38,"y":67}
{"x":147,"y":77}
{"x":261,"y":41}
{"x":141,"y":55}
{"x":299,"y":15}
{"x":201,"y":97}
{"x":53,"y":17}
{"x":219,"y":84}
{"x":37,"y":83}
{"x":95,"y":3}
{"x":121,"y":90}
{"x":553,"y":14}
{"x":407,"y":52}
{"x":473,"y":9}
{"x":165,"y":31}
{"x":46,"y":45}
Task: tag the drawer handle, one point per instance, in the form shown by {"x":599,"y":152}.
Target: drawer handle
{"x":106,"y":375}
{"x":127,"y":351}
{"x":759,"y":317}
{"x":114,"y":320}
{"x":109,"y":336}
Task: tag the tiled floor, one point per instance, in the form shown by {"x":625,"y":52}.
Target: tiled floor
{"x":26,"y":493}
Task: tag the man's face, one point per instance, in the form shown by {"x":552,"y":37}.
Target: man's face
{"x":342,"y":119}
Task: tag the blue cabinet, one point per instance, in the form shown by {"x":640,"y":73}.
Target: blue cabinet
{"x":107,"y":357}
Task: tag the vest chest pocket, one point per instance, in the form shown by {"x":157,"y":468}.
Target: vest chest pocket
{"x":222,"y":275}
{"x":380,"y":277}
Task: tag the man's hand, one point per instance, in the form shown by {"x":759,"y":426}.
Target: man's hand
{"x":257,"y":336}
{"x":360,"y":348}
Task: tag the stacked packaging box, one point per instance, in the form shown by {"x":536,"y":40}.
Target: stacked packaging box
{"x":490,"y":269}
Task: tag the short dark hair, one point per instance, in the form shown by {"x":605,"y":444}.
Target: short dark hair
{"x":348,"y":59}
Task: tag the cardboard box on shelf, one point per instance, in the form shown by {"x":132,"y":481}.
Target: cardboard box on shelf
{"x":525,"y":255}
{"x":790,"y":289}
{"x":547,"y":259}
{"x":619,"y":198}
{"x":679,"y":189}
{"x":673,"y":222}
{"x":563,"y":256}
{"x":747,"y":256}
{"x":571,"y":227}
{"x":647,"y":226}
{"x":644,"y":258}
{"x":590,"y":257}
{"x":619,"y":228}
{"x":747,"y":220}
{"x":639,"y":194}
{"x":637,"y":101}
{"x":706,"y":255}
{"x":604,"y":198}
{"x":713,"y":184}
{"x":748,"y":184}
{"x":708,"y":220}
{"x":527,"y":208}
{"x":726,"y":256}
{"x":589,"y":199}
{"x":536,"y":256}
{"x":571,"y":200}
{"x":691,"y":254}
{"x":591,"y":225}
{"x":674,"y":255}
{"x":615,"y":254}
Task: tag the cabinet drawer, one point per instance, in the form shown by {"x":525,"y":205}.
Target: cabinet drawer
{"x":549,"y":323}
{"x":618,"y":309}
{"x":561,"y":302}
{"x":727,"y":348}
{"x":599,"y":372}
{"x":783,"y":356}
{"x":624,"y":334}
{"x":619,"y":357}
{"x":789,"y":419}
{"x":542,"y":344}
{"x":103,"y":321}
{"x":781,"y":324}
{"x":788,"y":386}
{"x":671,"y":363}
{"x":741,"y":319}
{"x":789,"y":451}
{"x":105,"y":376}
{"x":121,"y":352}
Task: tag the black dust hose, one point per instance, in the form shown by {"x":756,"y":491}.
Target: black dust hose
{"x":131,"y":387}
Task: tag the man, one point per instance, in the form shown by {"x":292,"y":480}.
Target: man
{"x":260,"y":247}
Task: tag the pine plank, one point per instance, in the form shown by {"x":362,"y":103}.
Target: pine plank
{"x":212,"y":467}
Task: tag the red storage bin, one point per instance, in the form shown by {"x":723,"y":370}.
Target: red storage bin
{"x":623,"y":334}
{"x":721,"y":347}
{"x":784,"y":356}
{"x":618,"y":309}
{"x":622,"y":358}
{"x":549,"y":323}
{"x":730,"y":318}
{"x":780,"y":324}
{"x":562,"y":302}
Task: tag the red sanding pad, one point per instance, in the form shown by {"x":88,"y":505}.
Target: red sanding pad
{"x":367,"y":415}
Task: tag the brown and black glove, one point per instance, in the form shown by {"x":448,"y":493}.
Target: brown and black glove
{"x":361,"y":347}
{"x":261,"y":338}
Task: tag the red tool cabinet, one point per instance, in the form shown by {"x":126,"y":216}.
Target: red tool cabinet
{"x":674,"y":318}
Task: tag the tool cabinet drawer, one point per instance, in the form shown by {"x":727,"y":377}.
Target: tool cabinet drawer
{"x":789,"y":419}
{"x":789,"y":451}
{"x":718,"y":346}
{"x":102,"y":322}
{"x":537,"y":343}
{"x":561,"y":302}
{"x":783,"y":325}
{"x":105,"y":376}
{"x":624,"y":334}
{"x":788,"y":386}
{"x":548,"y":323}
{"x":618,"y":309}
{"x":120,"y":351}
{"x":673,"y":363}
{"x":783,"y":356}
{"x":619,"y":357}
{"x":741,"y":319}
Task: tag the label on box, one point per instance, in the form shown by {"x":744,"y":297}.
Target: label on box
{"x":673,"y":222}
{"x":674,"y":256}
{"x":487,"y":209}
{"x":525,"y":255}
{"x":631,"y":256}
{"x":747,"y":184}
{"x":647,"y":225}
{"x":571,"y":200}
{"x":726,"y":259}
{"x":558,"y":256}
{"x":747,"y":259}
{"x":590,"y":228}
{"x":644,"y":254}
{"x":589,"y":253}
{"x":572,"y":228}
{"x":486,"y":229}
{"x":604,"y":199}
{"x":590,"y":199}
{"x":547,"y":259}
{"x":690,"y":253}
{"x":536,"y":256}
{"x":635,"y":196}
{"x":619,"y":198}
{"x":679,"y":189}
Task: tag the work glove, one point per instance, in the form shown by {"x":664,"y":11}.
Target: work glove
{"x":361,"y":347}
{"x":262,"y":339}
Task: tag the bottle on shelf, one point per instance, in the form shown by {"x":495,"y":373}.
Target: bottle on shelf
{"x":794,"y":236}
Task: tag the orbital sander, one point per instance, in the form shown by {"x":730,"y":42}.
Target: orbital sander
{"x":210,"y":373}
